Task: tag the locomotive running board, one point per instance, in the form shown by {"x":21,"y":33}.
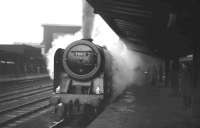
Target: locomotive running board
{"x":83,"y":99}
{"x":80,"y":83}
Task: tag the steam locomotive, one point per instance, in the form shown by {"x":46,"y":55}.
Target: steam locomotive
{"x":82,"y":79}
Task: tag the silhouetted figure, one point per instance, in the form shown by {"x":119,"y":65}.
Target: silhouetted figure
{"x":174,"y":77}
{"x":186,"y":86}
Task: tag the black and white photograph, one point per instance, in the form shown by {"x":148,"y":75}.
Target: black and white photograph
{"x":99,"y":64}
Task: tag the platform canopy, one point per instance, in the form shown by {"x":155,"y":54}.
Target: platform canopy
{"x":167,"y":28}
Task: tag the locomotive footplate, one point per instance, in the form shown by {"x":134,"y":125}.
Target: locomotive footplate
{"x":94,"y":100}
{"x":68,"y":105}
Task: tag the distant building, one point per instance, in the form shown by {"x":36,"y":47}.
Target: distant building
{"x":51,"y":31}
{"x":21,"y":59}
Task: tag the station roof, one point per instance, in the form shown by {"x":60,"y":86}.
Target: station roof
{"x":167,"y":28}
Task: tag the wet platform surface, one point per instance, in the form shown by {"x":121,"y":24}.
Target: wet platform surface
{"x":146,"y":107}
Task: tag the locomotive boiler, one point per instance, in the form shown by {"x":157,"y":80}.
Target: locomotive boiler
{"x":82,"y":79}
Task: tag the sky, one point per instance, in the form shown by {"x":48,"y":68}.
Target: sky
{"x":21,"y":20}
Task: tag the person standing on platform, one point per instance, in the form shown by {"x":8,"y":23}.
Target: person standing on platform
{"x":186,"y":86}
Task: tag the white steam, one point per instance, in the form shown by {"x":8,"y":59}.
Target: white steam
{"x":60,"y":42}
{"x":124,"y":70}
{"x":127,"y":68}
{"x":125,"y":62}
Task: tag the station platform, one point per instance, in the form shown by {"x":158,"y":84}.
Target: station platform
{"x":146,"y":107}
{"x":22,"y":77}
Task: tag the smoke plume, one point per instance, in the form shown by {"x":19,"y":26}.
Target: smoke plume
{"x":128,"y":67}
{"x":60,"y":42}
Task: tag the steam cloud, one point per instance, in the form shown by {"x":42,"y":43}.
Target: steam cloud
{"x":128,"y":67}
{"x":60,"y":42}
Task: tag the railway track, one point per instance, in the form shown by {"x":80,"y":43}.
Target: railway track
{"x":22,"y":84}
{"x":19,"y":104}
{"x":64,"y":124}
{"x":58,"y":124}
{"x":75,"y":122}
{"x":25,"y":92}
{"x":11,"y":117}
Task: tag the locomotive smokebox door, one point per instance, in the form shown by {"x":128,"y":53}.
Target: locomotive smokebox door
{"x":82,"y":60}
